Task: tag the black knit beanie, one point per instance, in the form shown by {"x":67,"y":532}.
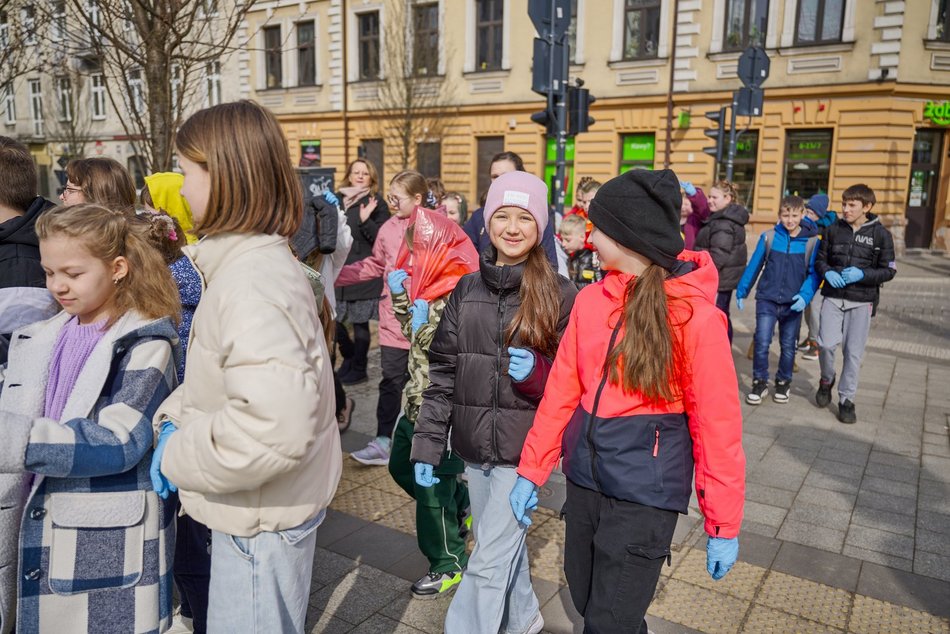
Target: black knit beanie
{"x":641,"y":210}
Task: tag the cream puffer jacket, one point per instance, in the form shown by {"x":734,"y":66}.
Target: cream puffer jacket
{"x":257,"y":447}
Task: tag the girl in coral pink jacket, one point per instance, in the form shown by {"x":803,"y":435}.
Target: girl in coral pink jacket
{"x":642,"y":391}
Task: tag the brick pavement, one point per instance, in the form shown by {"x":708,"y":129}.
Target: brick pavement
{"x":846,"y":530}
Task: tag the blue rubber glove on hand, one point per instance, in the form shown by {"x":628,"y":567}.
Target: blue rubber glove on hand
{"x":721,"y":555}
{"x":424,"y":477}
{"x":161,"y":484}
{"x":799,"y":304}
{"x":523,"y":499}
{"x":834,"y":278}
{"x":521,"y":364}
{"x":852,"y":274}
{"x":420,"y":314}
{"x":740,"y":303}
{"x":330,"y":197}
{"x":395,"y":281}
{"x":688,"y":187}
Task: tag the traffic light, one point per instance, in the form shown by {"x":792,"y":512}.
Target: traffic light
{"x":578,"y":108}
{"x":546,"y":118}
{"x":718,"y":133}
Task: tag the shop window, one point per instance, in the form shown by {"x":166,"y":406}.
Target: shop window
{"x":425,"y":42}
{"x":943,"y":21}
{"x":807,"y":162}
{"x":743,"y":166}
{"x":641,"y":31}
{"x":489,"y":30}
{"x":310,"y":153}
{"x":487,"y":147}
{"x":306,"y":54}
{"x":368,"y":25}
{"x":273,"y":57}
{"x":372,"y":151}
{"x":637,"y":151}
{"x":429,"y":159}
{"x":819,"y":21}
{"x":745,"y":24}
{"x":550,"y":170}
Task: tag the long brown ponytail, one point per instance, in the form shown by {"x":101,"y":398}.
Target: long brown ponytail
{"x":648,"y":350}
{"x":535,"y":323}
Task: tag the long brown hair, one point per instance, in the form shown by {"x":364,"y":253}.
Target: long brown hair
{"x":535,"y":323}
{"x":103,"y":181}
{"x":646,"y":358}
{"x":148,"y":287}
{"x":253,"y":185}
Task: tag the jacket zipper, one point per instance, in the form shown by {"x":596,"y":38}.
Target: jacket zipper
{"x":657,"y":474}
{"x":656,"y":441}
{"x":498,"y":371}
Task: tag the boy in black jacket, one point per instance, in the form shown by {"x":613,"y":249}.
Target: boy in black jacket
{"x":855,"y":256}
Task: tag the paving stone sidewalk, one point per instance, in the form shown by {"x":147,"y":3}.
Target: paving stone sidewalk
{"x":847,"y":528}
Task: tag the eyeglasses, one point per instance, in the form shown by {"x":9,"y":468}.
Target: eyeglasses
{"x":70,"y":190}
{"x":395,"y":201}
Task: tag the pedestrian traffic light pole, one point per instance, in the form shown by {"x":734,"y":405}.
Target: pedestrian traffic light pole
{"x":559,"y":94}
{"x":731,"y":153}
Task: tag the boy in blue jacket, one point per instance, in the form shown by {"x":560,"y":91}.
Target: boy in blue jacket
{"x":787,"y":254}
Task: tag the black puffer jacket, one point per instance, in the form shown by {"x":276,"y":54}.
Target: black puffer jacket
{"x":870,"y":248}
{"x":19,"y":248}
{"x":364,"y":235}
{"x":723,"y":235}
{"x":470,"y":390}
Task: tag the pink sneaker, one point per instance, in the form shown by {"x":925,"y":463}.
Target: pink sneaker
{"x":372,"y":454}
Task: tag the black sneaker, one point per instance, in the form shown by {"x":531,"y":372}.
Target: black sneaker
{"x":435,"y":584}
{"x":823,"y":395}
{"x":781,"y":391}
{"x":760,"y":389}
{"x":846,"y":413}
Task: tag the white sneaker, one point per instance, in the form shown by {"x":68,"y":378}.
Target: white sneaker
{"x":536,"y":625}
{"x":372,"y":454}
{"x":180,"y":625}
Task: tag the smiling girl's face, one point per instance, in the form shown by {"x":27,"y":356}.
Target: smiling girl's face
{"x":514,"y":232}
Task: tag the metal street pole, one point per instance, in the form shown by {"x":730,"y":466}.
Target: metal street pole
{"x":731,"y":156}
{"x":557,"y":104}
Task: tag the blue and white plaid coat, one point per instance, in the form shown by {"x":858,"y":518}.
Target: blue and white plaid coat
{"x":96,"y":545}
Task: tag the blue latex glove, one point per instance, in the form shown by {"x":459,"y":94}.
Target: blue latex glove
{"x":523,"y":499}
{"x":740,"y":303}
{"x":420,"y":314}
{"x":424,"y":477}
{"x":835,"y":279}
{"x":721,"y":554}
{"x":395,"y":281}
{"x":521,"y":364}
{"x":330,"y":197}
{"x":688,"y":187}
{"x":799,"y":304}
{"x":161,"y":484}
{"x":852,"y":274}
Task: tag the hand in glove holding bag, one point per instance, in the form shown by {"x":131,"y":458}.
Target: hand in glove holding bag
{"x":396,"y":281}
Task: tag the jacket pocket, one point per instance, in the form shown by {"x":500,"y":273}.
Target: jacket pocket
{"x":637,"y":583}
{"x":97,"y":541}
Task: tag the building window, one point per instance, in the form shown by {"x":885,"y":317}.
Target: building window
{"x":637,"y":151}
{"x":489,"y":32}
{"x":273,"y":58}
{"x":28,"y":22}
{"x":807,"y":162}
{"x":92,"y":9}
{"x":425,"y":38}
{"x":306,"y":54}
{"x":136,"y":91}
{"x":744,"y":26}
{"x":943,"y":21}
{"x":487,"y":147}
{"x":743,"y":167}
{"x":550,"y":169}
{"x":64,"y":96}
{"x":368,"y":37}
{"x":641,"y":34}
{"x":36,"y":106}
{"x":429,"y":159}
{"x":137,"y":171}
{"x":58,"y":22}
{"x":9,"y":105}
{"x":97,"y":92}
{"x":213,"y":83}
{"x":176,"y":86}
{"x":819,"y":21}
{"x":372,"y":151}
{"x":572,"y":31}
{"x":4,"y":30}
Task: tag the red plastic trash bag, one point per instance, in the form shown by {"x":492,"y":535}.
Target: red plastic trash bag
{"x":441,"y":255}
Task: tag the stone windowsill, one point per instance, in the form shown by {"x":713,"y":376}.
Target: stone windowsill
{"x":815,"y":49}
{"x":627,"y":64}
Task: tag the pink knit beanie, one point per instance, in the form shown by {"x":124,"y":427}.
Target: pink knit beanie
{"x":519,"y":189}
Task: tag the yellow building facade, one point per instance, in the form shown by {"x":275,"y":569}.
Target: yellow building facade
{"x":858,"y":91}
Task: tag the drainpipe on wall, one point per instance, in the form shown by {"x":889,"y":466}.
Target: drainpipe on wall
{"x":669,"y":94}
{"x":346,"y":119}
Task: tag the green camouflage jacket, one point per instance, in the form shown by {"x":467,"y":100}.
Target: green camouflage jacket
{"x":418,"y":349}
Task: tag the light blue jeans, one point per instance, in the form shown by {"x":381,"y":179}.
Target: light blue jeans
{"x":261,"y":584}
{"x":496,"y":591}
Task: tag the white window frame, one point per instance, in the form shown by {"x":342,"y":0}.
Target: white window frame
{"x":95,"y":17}
{"x":262,"y":58}
{"x":719,"y":25}
{"x":352,"y":38}
{"x":5,"y":31}
{"x":9,"y":104}
{"x":471,"y":37}
{"x":212,"y":83}
{"x":791,"y":18}
{"x":175,"y":71}
{"x":36,"y":106}
{"x":619,"y":23}
{"x":577,"y":56}
{"x":411,"y":41}
{"x":64,"y":98}
{"x":932,"y":22}
{"x":97,"y":95}
{"x":136,"y":94}
{"x":306,"y":17}
{"x":58,"y":22}
{"x":28,"y":24}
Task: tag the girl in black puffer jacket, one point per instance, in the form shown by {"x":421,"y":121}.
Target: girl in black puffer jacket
{"x":488,"y":365}
{"x":723,"y":235}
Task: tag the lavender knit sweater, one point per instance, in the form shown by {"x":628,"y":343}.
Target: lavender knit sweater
{"x":73,"y":346}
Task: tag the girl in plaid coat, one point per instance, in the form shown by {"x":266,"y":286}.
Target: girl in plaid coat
{"x":95,"y":543}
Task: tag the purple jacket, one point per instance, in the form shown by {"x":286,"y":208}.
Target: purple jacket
{"x":695,"y":220}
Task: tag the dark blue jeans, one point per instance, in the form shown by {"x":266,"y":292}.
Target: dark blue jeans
{"x":723,"y":300}
{"x":767,"y":314}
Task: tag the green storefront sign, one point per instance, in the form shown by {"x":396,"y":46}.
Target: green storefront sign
{"x":938,"y":113}
{"x":639,"y":148}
